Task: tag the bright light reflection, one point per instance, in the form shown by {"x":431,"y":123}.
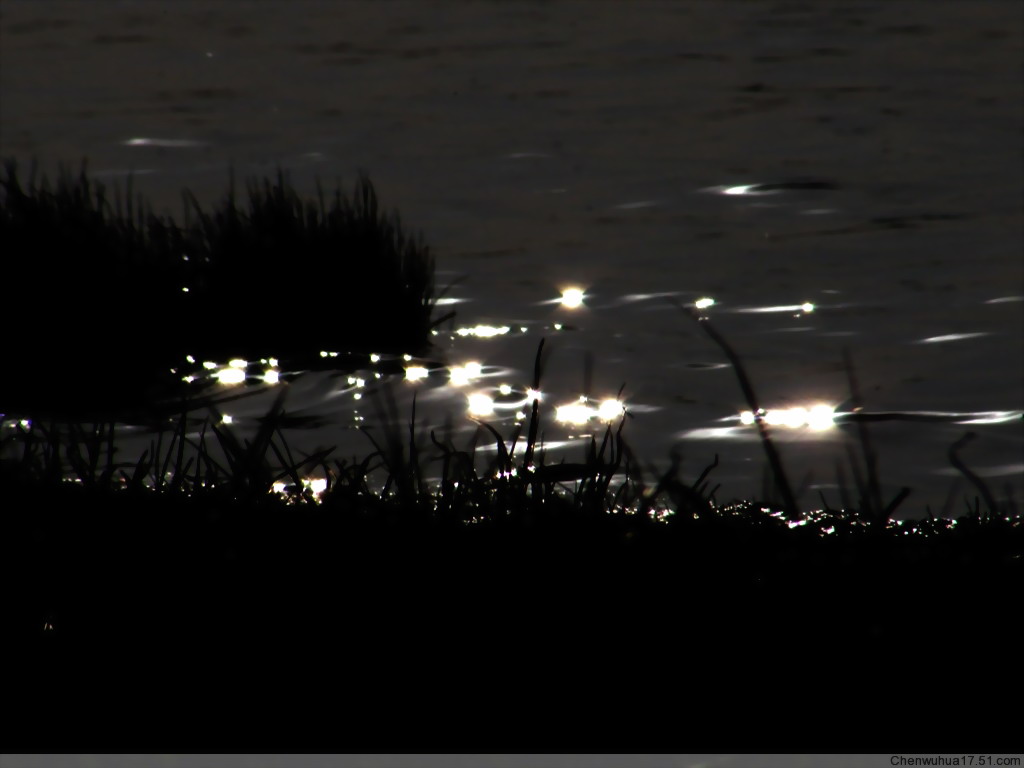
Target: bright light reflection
{"x":230,"y":375}
{"x":271,"y":376}
{"x":821,"y":417}
{"x":316,"y":485}
{"x":818,"y":418}
{"x":484,"y":331}
{"x":647,"y":296}
{"x":580,"y":413}
{"x":574,"y":413}
{"x":505,"y":389}
{"x":415,"y":373}
{"x":703,"y":303}
{"x":950,"y":337}
{"x":746,"y":189}
{"x":805,"y":307}
{"x":461,"y":375}
{"x":609,"y":410}
{"x":993,"y":417}
{"x":572,"y":298}
{"x":480,"y":404}
{"x":717,"y":433}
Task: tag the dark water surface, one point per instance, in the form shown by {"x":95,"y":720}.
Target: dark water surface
{"x":864,"y":158}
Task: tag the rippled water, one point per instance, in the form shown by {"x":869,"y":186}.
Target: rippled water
{"x":862,"y":158}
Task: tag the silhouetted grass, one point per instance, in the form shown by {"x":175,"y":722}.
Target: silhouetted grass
{"x":206,"y":498}
{"x":96,"y":316}
{"x":423,"y":569}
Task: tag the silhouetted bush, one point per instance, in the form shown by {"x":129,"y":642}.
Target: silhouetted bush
{"x":95,"y":315}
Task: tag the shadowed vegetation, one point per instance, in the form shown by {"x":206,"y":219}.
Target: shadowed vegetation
{"x":211,"y":563}
{"x":96,"y":316}
{"x":454,"y":530}
{"x":423,"y":588}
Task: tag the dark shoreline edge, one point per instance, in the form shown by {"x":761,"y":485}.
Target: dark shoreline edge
{"x":175,"y":587}
{"x":492,"y":613}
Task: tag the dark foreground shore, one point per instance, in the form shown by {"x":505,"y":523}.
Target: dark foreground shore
{"x":144,"y":624}
{"x":177,"y":602}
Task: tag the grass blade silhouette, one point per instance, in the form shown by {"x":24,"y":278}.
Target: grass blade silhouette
{"x":774,"y":460}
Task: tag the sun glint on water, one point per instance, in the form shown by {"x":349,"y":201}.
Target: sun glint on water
{"x":572,"y":298}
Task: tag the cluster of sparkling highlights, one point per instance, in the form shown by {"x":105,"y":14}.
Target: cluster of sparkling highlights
{"x":235,"y":371}
{"x":816,"y":418}
{"x":487,"y":401}
{"x":581,"y":412}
